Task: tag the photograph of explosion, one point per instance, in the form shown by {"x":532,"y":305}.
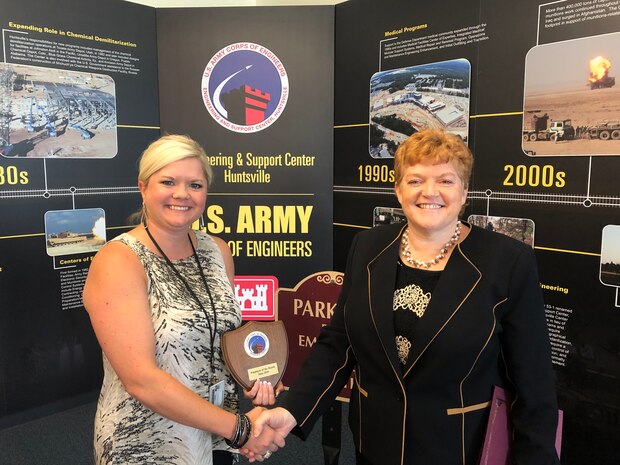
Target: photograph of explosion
{"x":407,"y":100}
{"x":69,"y":232}
{"x":52,"y":113}
{"x":521,"y":229}
{"x":571,"y":102}
{"x":610,"y":256}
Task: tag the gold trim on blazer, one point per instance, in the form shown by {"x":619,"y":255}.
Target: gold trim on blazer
{"x":393,"y":358}
{"x":469,"y":408}
{"x":440,"y":297}
{"x":359,"y":388}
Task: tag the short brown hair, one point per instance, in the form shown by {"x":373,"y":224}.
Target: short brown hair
{"x":434,"y":146}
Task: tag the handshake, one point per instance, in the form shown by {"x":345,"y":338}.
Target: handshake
{"x":267,"y":428}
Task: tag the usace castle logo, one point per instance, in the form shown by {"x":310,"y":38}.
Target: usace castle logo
{"x":245,"y":87}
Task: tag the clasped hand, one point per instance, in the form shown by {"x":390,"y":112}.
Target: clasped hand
{"x":264,"y":440}
{"x":269,"y":428}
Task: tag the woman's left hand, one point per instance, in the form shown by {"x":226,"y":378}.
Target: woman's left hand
{"x":263,"y":393}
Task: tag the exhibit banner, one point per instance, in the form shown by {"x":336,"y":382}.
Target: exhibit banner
{"x":80,"y":101}
{"x":78,"y":104}
{"x":532,"y":87}
{"x":254,"y":87}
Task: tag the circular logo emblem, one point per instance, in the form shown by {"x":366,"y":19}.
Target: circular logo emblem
{"x":256,"y":344}
{"x":245,"y":87}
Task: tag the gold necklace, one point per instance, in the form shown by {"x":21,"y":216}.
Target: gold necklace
{"x":442,"y":253}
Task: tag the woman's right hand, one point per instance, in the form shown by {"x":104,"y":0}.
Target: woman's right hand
{"x":277,"y":420}
{"x":264,"y":440}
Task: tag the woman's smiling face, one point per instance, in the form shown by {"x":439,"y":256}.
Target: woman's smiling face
{"x":176,"y":195}
{"x":431,"y":197}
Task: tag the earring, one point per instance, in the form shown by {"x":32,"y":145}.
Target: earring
{"x":143,"y":217}
{"x":201,"y":223}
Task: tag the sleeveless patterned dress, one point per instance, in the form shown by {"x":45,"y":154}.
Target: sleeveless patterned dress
{"x":127,"y":432}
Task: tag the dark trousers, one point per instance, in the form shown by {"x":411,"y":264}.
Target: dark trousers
{"x":360,"y":460}
{"x":222,"y":457}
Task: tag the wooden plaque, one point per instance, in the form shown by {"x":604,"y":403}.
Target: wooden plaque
{"x":256,"y":350}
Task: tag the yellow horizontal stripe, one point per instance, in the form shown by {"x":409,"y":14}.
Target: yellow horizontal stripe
{"x":350,"y":125}
{"x":550,"y":249}
{"x":352,"y":226}
{"x":470,"y":408}
{"x":488,"y":115}
{"x":137,"y":127}
{"x":568,"y":251}
{"x":22,"y":235}
{"x":485,"y":115}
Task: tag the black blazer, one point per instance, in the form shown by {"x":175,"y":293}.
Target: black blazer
{"x":484,"y":326}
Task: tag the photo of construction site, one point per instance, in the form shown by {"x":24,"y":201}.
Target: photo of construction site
{"x":407,"y":100}
{"x":387,"y":215}
{"x":69,"y":232}
{"x":521,"y":229}
{"x":53,"y":113}
{"x":571,"y":102}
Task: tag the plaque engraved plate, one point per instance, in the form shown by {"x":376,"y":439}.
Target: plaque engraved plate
{"x":256,"y":350}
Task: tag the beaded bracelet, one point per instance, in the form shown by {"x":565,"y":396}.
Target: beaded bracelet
{"x":242,"y":432}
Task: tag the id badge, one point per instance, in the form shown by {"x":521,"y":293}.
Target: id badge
{"x":216,"y":394}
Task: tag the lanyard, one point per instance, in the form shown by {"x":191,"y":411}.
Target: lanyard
{"x":212,"y":329}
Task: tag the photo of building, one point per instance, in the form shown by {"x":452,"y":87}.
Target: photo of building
{"x":404,"y":101}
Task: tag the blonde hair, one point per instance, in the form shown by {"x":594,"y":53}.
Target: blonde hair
{"x":160,"y":153}
{"x":168,"y":149}
{"x":434,"y":146}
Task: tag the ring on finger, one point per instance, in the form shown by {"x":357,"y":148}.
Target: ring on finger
{"x":267,"y":454}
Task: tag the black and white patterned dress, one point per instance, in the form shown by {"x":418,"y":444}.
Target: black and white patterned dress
{"x":127,"y":432}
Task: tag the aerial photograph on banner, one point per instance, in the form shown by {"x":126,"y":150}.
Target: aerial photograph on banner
{"x":571,"y":102}
{"x":610,"y":256}
{"x":71,"y":232}
{"x":407,"y":100}
{"x":53,"y":113}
